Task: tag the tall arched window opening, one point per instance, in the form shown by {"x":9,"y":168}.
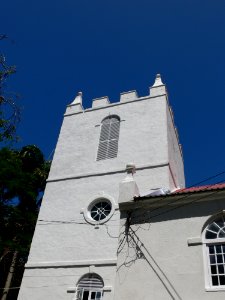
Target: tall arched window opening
{"x":90,"y":287}
{"x":109,"y":137}
{"x":214,"y":243}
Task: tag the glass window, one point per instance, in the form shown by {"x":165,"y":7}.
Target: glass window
{"x":215,"y":251}
{"x":100,"y":210}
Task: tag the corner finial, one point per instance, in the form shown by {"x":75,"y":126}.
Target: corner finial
{"x":76,"y":106}
{"x":158,"y":80}
{"x":130,"y":168}
{"x":78,"y":99}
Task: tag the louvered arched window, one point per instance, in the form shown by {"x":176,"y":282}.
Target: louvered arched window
{"x":109,"y":137}
{"x":90,"y":287}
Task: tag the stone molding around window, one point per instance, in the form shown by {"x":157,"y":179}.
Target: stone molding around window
{"x":101,"y":197}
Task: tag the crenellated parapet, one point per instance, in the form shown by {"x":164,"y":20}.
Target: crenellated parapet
{"x":156,"y":90}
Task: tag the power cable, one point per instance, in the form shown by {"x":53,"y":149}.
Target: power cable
{"x":182,"y":197}
{"x":179,"y":206}
{"x":207,"y":179}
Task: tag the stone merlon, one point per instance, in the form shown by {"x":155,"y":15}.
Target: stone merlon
{"x":98,"y":102}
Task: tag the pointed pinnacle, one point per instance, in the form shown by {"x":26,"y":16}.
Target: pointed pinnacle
{"x":158,"y":80}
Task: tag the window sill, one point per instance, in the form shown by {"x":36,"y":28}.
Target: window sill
{"x":219,"y":289}
{"x":73,"y":289}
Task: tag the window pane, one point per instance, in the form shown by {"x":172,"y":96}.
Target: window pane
{"x":215,"y":280}
{"x":219,"y":259}
{"x":223,"y":248}
{"x":79,"y":295}
{"x":220,"y":269}
{"x":100,"y":210}
{"x":212,"y":259}
{"x":210,"y":235}
{"x":221,"y":234}
{"x":93,"y":295}
{"x":220,"y":223}
{"x":102,"y":216}
{"x":213,"y":227}
{"x":98,"y":296}
{"x":85,"y":295}
{"x":218,"y":249}
{"x":107,"y":206}
{"x":94,"y":214}
{"x":211,"y":249}
{"x":213,"y":270}
{"x":222,"y":280}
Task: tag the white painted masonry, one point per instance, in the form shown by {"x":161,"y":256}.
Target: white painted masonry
{"x":164,"y":254}
{"x":65,"y":246}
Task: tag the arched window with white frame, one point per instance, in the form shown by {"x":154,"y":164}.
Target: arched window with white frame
{"x":109,"y":138}
{"x":90,"y":287}
{"x":214,"y":251}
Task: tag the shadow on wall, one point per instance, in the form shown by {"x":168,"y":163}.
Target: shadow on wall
{"x":188,"y":206}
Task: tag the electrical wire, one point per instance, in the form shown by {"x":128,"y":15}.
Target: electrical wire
{"x":150,"y":218}
{"x":179,"y":206}
{"x":50,"y":222}
{"x":207,"y":179}
{"x":182,"y":197}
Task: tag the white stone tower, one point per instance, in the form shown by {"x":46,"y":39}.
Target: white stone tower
{"x":74,"y":249}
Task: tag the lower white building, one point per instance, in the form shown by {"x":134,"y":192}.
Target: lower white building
{"x":172,"y":246}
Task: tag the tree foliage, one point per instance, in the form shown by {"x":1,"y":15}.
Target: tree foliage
{"x":23,"y":175}
{"x":9,"y":110}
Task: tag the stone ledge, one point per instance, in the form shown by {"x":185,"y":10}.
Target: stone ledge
{"x":194,"y":241}
{"x":78,"y":176}
{"x":76,"y":263}
{"x":106,"y":288}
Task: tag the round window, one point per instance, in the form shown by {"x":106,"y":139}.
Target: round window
{"x":100,"y":210}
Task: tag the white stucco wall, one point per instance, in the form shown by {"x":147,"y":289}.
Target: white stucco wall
{"x":143,"y":138}
{"x":60,"y":282}
{"x":171,"y":269}
{"x":174,"y":152}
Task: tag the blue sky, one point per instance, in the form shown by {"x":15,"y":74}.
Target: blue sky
{"x":107,"y":47}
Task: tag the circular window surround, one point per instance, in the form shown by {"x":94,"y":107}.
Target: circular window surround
{"x":102,"y":197}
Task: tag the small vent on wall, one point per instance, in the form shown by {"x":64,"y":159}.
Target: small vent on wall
{"x":109,"y":136}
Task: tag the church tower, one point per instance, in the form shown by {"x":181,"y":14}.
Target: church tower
{"x":74,"y":248}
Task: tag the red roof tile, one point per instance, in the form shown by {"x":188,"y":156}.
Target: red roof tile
{"x":202,"y":188}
